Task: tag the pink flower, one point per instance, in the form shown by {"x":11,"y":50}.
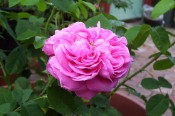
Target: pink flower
{"x":87,"y":60}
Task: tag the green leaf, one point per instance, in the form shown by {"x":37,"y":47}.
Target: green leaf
{"x":80,"y":106}
{"x":150,"y":83}
{"x":99,"y":18}
{"x":4,"y":108}
{"x":16,"y":60}
{"x":5,"y":25}
{"x":33,"y":27}
{"x":14,"y":114}
{"x":89,"y":5}
{"x":109,"y":111}
{"x":42,"y":6}
{"x":26,"y":95}
{"x":132,"y":33}
{"x":73,"y":8}
{"x":110,"y":17}
{"x":64,"y":104}
{"x":160,"y":38}
{"x":39,"y":41}
{"x":162,"y":7}
{"x":137,"y":35}
{"x":155,"y":55}
{"x":23,"y":15}
{"x":163,"y":64}
{"x":26,"y":35}
{"x":63,"y":5}
{"x":22,"y":83}
{"x":39,"y":85}
{"x":13,"y":2}
{"x":17,"y":94}
{"x":164,"y":83}
{"x":96,"y":112}
{"x":31,"y":109}
{"x":100,"y":101}
{"x":29,"y":2}
{"x":21,"y":26}
{"x":172,"y":59}
{"x":157,"y":105}
{"x":5,"y":96}
{"x":120,"y":30}
{"x":83,"y":11}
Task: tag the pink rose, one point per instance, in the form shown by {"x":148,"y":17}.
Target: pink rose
{"x":87,"y":60}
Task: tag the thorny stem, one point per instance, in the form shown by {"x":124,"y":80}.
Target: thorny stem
{"x":137,"y":72}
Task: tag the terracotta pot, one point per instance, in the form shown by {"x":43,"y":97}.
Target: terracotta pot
{"x":127,"y":105}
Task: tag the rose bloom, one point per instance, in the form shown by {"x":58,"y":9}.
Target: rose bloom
{"x":87,"y":60}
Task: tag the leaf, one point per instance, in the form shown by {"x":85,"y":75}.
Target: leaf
{"x":162,"y":7}
{"x":16,"y":60}
{"x":29,"y":2}
{"x":39,"y":41}
{"x":4,"y":108}
{"x":80,"y":106}
{"x":99,"y":18}
{"x":89,"y":5}
{"x":14,"y":114}
{"x":160,"y":38}
{"x":96,"y":112}
{"x":26,"y":95}
{"x":22,"y":83}
{"x":13,"y":2}
{"x":26,"y":35}
{"x":157,"y":105}
{"x":120,"y":30}
{"x":172,"y":59}
{"x":163,"y":64}
{"x":109,"y":111}
{"x":137,"y":35}
{"x":41,"y":5}
{"x":155,"y":55}
{"x":150,"y":83}
{"x":64,"y":104}
{"x":5,"y":96}
{"x":63,"y":5}
{"x":110,"y":17}
{"x":33,"y":27}
{"x":132,"y":33}
{"x":39,"y":85}
{"x":73,"y":8}
{"x":100,"y":101}
{"x":83,"y":11}
{"x":17,"y":94}
{"x":164,"y":83}
{"x":31,"y":109}
{"x":5,"y":25}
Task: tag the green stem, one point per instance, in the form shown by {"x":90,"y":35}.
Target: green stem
{"x":49,"y":19}
{"x":48,"y":84}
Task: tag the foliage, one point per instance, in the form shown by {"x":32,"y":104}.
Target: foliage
{"x":34,"y":21}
